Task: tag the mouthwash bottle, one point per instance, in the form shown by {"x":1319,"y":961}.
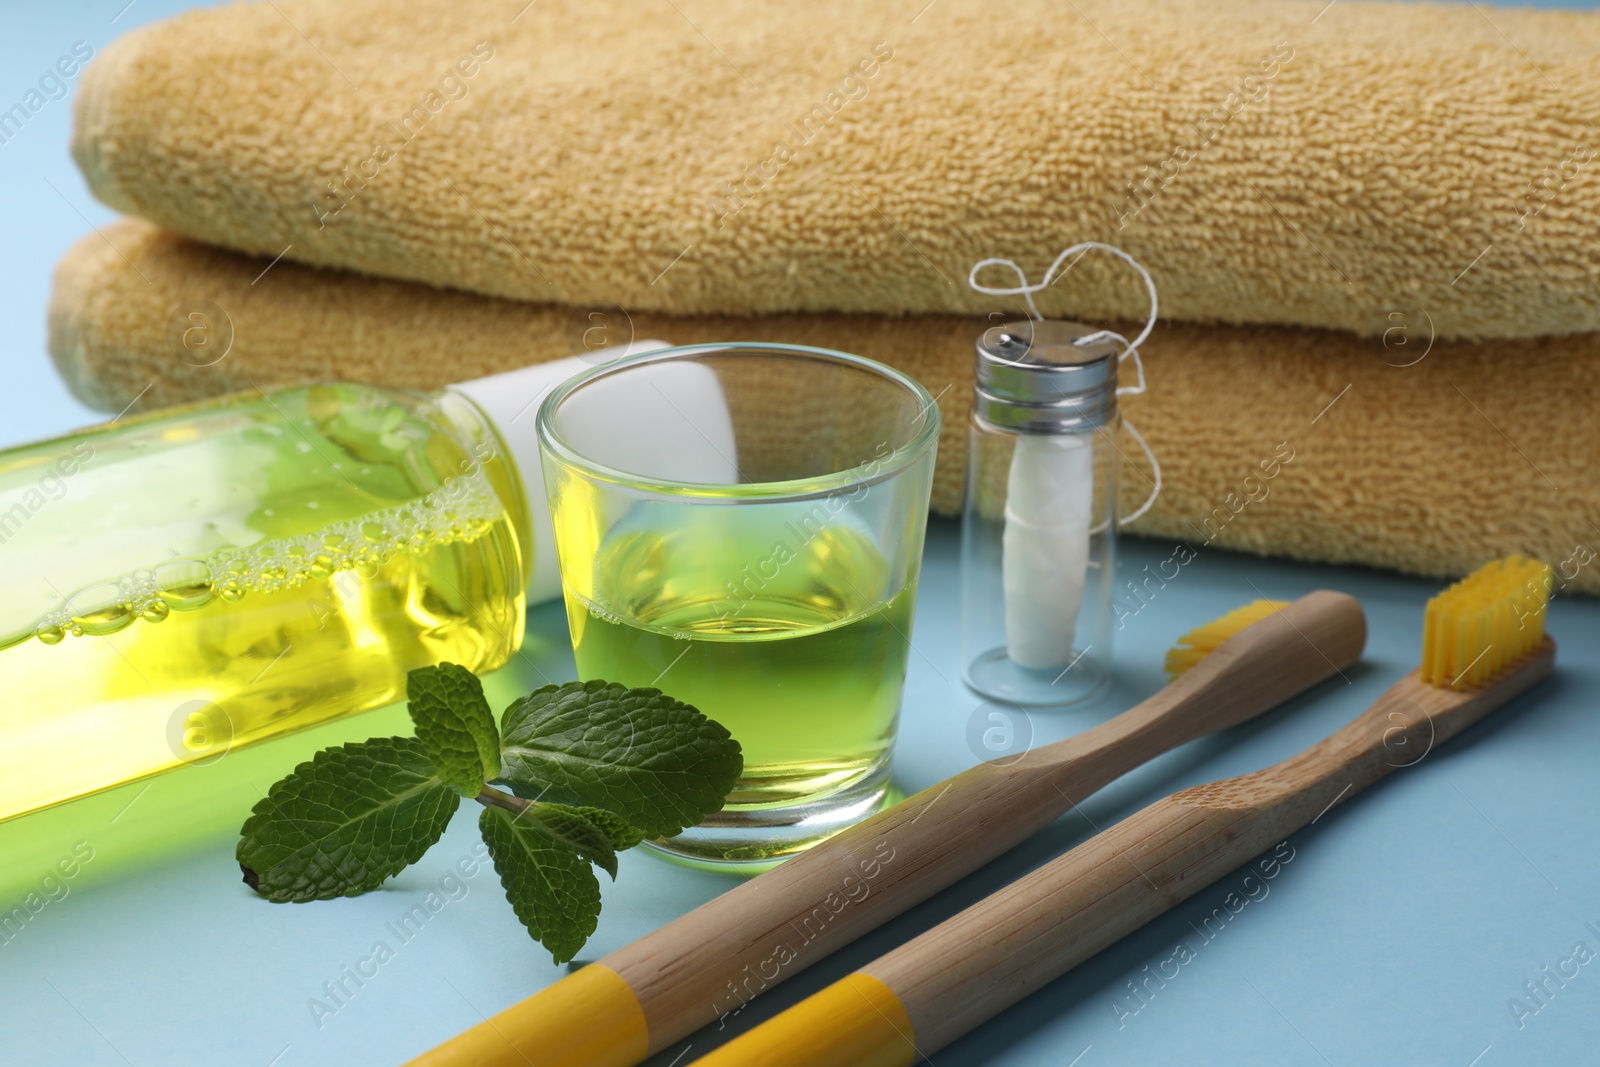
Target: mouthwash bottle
{"x":188,"y":581}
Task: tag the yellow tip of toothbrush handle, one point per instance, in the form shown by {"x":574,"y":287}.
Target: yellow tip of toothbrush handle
{"x":857,"y":1021}
{"x":591,"y":1018}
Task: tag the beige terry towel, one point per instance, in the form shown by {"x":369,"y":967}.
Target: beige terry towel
{"x":1469,"y":452}
{"x":1270,"y":161}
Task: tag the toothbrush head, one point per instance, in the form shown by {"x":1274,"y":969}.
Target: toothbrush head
{"x":1200,"y":642}
{"x":1485,"y":624}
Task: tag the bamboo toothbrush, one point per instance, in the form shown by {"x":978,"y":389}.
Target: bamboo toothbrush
{"x":711,"y":961}
{"x":1483,"y":644}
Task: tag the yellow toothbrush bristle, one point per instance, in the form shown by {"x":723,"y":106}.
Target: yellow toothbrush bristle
{"x":1200,"y":642}
{"x":1485,"y":623}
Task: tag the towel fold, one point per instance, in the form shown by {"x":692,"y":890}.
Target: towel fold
{"x":1405,"y":452}
{"x":1333,"y":165}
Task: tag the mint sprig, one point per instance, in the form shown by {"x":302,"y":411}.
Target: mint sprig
{"x":593,"y":768}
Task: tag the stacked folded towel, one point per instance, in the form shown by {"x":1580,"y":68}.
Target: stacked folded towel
{"x":827,"y":173}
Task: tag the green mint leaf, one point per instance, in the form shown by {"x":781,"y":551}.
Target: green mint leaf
{"x":551,"y":888}
{"x":345,"y":821}
{"x":573,"y":828}
{"x":656,"y":762}
{"x":455,"y":725}
{"x":622,"y":834}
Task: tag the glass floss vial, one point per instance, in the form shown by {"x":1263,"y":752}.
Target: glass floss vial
{"x":1038,"y":535}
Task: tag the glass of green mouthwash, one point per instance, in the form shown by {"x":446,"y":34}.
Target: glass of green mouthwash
{"x":741,"y":526}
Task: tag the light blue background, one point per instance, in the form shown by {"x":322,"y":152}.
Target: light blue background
{"x":1397,"y":934}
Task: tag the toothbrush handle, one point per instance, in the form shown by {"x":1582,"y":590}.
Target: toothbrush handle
{"x":709,"y":962}
{"x":905,"y":1006}
{"x":998,"y":951}
{"x":914,"y":1001}
{"x":992,"y":955}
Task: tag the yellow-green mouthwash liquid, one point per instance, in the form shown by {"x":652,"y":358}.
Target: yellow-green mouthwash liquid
{"x":794,"y":639}
{"x":184,"y":583}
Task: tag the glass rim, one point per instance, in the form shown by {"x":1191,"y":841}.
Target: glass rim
{"x":551,"y":443}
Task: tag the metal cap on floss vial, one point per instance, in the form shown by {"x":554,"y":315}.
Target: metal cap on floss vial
{"x":1038,"y":544}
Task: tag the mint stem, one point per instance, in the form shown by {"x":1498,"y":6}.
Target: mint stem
{"x":490,"y":797}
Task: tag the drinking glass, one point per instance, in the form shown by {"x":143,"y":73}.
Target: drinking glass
{"x":741,"y":527}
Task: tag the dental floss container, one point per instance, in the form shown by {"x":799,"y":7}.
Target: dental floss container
{"x":1038,"y":535}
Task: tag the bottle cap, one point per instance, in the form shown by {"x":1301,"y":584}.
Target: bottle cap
{"x":510,"y":401}
{"x":1046,"y":376}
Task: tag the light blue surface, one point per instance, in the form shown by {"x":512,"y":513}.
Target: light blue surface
{"x":1398,"y":933}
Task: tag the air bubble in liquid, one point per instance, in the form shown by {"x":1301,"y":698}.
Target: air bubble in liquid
{"x":461,"y":509}
{"x":100,"y":609}
{"x":183,"y":584}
